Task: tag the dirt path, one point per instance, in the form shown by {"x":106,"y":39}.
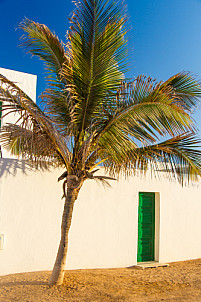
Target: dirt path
{"x":181,"y":281}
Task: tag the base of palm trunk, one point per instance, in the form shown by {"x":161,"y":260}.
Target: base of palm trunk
{"x":57,"y":276}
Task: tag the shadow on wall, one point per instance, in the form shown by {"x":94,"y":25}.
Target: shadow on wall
{"x":9,"y":166}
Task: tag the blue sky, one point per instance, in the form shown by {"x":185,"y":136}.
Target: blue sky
{"x":165,"y":37}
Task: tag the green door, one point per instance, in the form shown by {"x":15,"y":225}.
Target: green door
{"x":146,"y":227}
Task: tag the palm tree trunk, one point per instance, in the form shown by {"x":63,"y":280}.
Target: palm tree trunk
{"x":57,"y":275}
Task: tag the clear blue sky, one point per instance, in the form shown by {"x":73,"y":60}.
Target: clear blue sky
{"x":165,"y":37}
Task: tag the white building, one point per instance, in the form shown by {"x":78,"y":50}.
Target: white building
{"x":105,"y":226}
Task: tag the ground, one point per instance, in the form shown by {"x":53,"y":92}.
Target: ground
{"x":181,"y":281}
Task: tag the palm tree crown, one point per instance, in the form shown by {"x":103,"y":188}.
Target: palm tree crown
{"x":91,"y":115}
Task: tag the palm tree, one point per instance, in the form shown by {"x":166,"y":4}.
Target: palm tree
{"x":92,"y":116}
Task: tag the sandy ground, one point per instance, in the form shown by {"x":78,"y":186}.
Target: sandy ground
{"x":181,"y":281}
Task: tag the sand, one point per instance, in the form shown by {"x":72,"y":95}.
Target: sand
{"x":181,"y":281}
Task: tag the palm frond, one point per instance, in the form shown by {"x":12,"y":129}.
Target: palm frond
{"x":146,"y":109}
{"x":97,"y":39}
{"x":56,"y":105}
{"x":179,"y":157}
{"x":186,"y":88}
{"x":33,"y":145}
{"x":41,"y":42}
{"x":13,"y":98}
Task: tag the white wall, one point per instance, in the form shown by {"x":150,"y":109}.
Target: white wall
{"x":26,"y":81}
{"x":105,"y":222}
{"x":104,"y":227}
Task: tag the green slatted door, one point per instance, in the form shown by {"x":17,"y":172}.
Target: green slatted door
{"x":146,"y":227}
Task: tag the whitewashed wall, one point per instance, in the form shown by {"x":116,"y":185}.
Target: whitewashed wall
{"x":105,"y":221}
{"x":26,"y":81}
{"x":104,"y":227}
